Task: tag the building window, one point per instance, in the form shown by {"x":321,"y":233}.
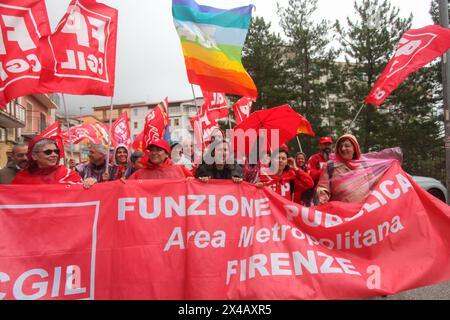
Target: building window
{"x":29,"y":112}
{"x":43,"y":122}
{"x":2,"y":135}
{"x":11,"y":134}
{"x":135,"y":112}
{"x":135,"y":125}
{"x":176,"y":122}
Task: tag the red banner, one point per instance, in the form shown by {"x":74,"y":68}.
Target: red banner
{"x":121,"y":130}
{"x":416,"y":48}
{"x":22,"y":25}
{"x":242,"y":109}
{"x":215,"y":102}
{"x":156,"y":122}
{"x":80,"y":56}
{"x":95,"y":133}
{"x":187,"y":240}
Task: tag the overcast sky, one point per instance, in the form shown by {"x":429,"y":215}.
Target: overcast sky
{"x":150,"y":63}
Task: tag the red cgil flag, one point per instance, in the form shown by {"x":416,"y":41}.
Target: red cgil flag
{"x":138,"y":143}
{"x":80,"y":56}
{"x":416,"y":48}
{"x":121,"y":130}
{"x":215,"y":102}
{"x":53,"y":132}
{"x":242,"y":109}
{"x":24,"y":23}
{"x":156,"y":122}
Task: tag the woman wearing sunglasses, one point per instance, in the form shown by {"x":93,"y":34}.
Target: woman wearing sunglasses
{"x":43,"y":165}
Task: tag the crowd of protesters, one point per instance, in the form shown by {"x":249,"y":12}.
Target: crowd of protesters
{"x":325,"y":176}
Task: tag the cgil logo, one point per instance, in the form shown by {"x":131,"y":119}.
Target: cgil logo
{"x":39,"y":283}
{"x":15,"y":35}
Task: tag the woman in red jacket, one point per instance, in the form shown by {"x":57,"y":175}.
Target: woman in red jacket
{"x":43,"y":167}
{"x":286,"y":179}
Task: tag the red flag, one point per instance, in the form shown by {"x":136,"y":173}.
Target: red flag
{"x":305,"y":127}
{"x":121,"y":130}
{"x":22,"y":26}
{"x":80,"y":56}
{"x":242,"y":109}
{"x":416,"y":48}
{"x":54,"y":132}
{"x":156,"y":122}
{"x":83,"y":131}
{"x":138,"y":143}
{"x":215,"y":102}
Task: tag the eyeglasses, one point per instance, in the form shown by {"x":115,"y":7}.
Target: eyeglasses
{"x":50,"y":151}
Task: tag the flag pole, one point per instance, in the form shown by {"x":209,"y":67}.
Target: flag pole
{"x":298,"y":140}
{"x":109,"y":133}
{"x":443,"y":21}
{"x":198,"y":115}
{"x":68,"y":125}
{"x":351,"y":123}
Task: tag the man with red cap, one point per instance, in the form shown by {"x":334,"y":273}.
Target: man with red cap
{"x":157,"y":164}
{"x":318,"y":161}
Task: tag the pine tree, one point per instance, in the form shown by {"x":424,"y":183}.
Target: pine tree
{"x":311,"y":68}
{"x":368,"y":43}
{"x":262,"y":58}
{"x":408,"y":118}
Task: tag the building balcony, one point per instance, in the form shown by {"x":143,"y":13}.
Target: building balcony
{"x":13,"y":116}
{"x":48,"y":100}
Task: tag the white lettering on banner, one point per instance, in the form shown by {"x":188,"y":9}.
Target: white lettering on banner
{"x":193,"y":205}
{"x":17,"y":32}
{"x":386,"y":190}
{"x":289,"y":263}
{"x":409,"y":46}
{"x":77,"y":24}
{"x":22,"y":288}
{"x":346,"y":241}
{"x":201,"y":239}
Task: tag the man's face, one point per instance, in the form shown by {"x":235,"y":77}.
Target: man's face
{"x":95,"y":156}
{"x":157,"y":155}
{"x":325,"y":147}
{"x":19,"y":156}
{"x":47,"y":156}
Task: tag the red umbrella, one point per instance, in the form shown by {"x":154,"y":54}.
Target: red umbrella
{"x":283,"y":118}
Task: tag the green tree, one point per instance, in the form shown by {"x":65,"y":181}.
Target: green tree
{"x":262,"y":58}
{"x":311,"y":68}
{"x":408,"y":118}
{"x":368,"y":43}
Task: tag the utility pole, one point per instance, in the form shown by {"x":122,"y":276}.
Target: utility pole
{"x":443,"y":18}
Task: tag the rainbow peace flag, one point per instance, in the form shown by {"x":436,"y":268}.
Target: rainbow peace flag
{"x":212,"y":41}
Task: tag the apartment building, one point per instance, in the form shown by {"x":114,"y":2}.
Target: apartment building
{"x":23,"y":119}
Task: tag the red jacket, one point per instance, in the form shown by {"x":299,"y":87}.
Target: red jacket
{"x":315,"y":166}
{"x":303,"y":183}
{"x":167,"y":170}
{"x":288,"y":181}
{"x":53,"y":175}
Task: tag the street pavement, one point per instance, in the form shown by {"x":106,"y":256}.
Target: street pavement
{"x":440,"y":291}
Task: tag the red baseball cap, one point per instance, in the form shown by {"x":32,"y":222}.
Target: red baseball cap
{"x":326,"y":140}
{"x":163,"y":144}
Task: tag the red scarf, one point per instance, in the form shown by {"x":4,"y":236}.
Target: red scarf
{"x":51,"y":175}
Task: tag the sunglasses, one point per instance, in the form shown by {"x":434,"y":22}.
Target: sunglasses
{"x":50,"y":151}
